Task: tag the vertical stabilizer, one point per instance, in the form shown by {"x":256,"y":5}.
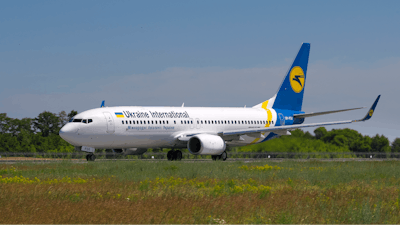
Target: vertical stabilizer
{"x":290,"y":94}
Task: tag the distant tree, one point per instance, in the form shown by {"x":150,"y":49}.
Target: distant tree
{"x":297,"y":133}
{"x":4,"y":123}
{"x":340,"y":140}
{"x":308,"y":135}
{"x":47,"y":123}
{"x":63,"y":118}
{"x":380,"y":143}
{"x":72,"y":114}
{"x":396,"y":145}
{"x":320,"y":132}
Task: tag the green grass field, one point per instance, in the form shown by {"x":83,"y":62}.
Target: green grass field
{"x":200,"y":192}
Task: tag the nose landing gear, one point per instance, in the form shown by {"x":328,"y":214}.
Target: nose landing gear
{"x":90,"y":157}
{"x":174,"y":155}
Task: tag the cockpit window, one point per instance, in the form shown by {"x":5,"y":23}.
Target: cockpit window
{"x":77,"y":120}
{"x":90,"y":120}
{"x":84,"y":121}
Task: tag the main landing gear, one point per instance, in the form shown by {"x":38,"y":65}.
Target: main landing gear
{"x":223,"y":156}
{"x":90,"y":157}
{"x":174,"y":155}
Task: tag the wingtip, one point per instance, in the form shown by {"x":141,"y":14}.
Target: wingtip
{"x":370,"y":111}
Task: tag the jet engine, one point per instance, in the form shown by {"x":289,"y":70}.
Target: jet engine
{"x":206,"y":144}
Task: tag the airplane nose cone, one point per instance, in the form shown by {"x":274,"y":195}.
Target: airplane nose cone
{"x":68,"y":132}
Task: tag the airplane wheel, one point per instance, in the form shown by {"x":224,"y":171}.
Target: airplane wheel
{"x":223,"y":156}
{"x":178,"y":155}
{"x":214,"y":157}
{"x":170,"y":155}
{"x":90,"y":157}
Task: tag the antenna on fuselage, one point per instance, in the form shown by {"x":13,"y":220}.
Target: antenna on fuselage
{"x":183,"y":105}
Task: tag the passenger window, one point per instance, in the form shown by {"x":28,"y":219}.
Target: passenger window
{"x":192,"y":122}
{"x":181,"y":122}
{"x":133,"y":122}
{"x":228,"y":122}
{"x":144,"y":121}
{"x":201,"y":122}
{"x":215,"y":122}
{"x":184,"y":121}
{"x":155,"y":121}
{"x":152,"y":122}
{"x":163,"y":122}
{"x":167,"y":121}
{"x":130,"y":121}
{"x":174,"y":121}
{"x":198,"y":122}
{"x":122,"y":122}
{"x":235,"y":121}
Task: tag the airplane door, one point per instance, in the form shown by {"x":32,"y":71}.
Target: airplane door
{"x":110,"y":122}
{"x":282,"y":119}
{"x":191,"y":124}
{"x":197,"y":123}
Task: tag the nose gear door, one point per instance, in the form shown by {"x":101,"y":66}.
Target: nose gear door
{"x":110,"y":122}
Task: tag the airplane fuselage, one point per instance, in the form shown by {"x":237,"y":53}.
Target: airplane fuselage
{"x":158,"y":127}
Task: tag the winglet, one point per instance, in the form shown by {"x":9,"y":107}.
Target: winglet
{"x":370,"y":111}
{"x":102,"y":104}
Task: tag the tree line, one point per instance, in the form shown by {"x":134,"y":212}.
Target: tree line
{"x":40,"y":134}
{"x":336,"y":140}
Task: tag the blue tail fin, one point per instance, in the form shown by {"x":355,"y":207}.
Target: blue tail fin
{"x":290,"y":94}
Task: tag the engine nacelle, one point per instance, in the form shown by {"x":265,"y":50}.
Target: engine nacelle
{"x":206,"y":144}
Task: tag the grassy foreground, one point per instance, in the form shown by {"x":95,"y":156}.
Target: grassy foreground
{"x":200,"y":192}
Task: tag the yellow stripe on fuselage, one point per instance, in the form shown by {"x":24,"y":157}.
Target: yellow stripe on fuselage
{"x":269,"y":113}
{"x":120,"y":116}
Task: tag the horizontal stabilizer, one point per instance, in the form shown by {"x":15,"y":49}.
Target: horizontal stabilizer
{"x":304,"y":115}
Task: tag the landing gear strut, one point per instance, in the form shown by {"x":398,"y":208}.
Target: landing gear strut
{"x":223,"y":156}
{"x":174,"y":155}
{"x":90,"y":157}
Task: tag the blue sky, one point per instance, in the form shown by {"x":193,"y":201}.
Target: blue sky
{"x":64,"y":55}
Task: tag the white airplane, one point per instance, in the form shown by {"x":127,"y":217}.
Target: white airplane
{"x":202,"y":130}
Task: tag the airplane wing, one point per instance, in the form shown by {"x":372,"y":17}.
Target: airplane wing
{"x":304,"y":115}
{"x":291,"y":127}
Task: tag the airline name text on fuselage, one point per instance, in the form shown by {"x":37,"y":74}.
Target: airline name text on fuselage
{"x":150,"y":128}
{"x":155,"y":114}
